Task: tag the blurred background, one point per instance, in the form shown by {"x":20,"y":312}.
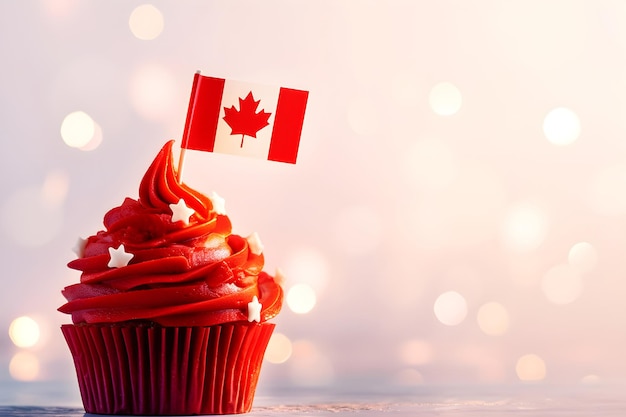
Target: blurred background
{"x":457,"y":214}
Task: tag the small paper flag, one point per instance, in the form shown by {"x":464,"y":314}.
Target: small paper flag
{"x":246,"y":119}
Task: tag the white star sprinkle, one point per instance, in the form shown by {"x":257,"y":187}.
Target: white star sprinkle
{"x":180,"y":211}
{"x":279,"y":277}
{"x":219,"y":204}
{"x":119,"y":257}
{"x":254,"y":243}
{"x":254,"y":310}
{"x":79,"y":247}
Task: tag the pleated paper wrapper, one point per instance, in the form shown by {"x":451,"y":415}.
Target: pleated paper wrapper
{"x":151,"y":370}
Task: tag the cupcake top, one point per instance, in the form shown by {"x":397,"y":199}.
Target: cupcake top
{"x":170,"y":258}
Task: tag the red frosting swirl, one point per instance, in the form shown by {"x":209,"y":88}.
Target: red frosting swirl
{"x":180,"y":274}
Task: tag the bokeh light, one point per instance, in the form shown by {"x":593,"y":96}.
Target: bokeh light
{"x":307,"y":266}
{"x":445,"y":99}
{"x":24,"y":332}
{"x":493,"y":318}
{"x":58,"y":9}
{"x":485,"y":359}
{"x":24,"y":366}
{"x":561,"y":126}
{"x":357,"y":230}
{"x":77,"y":129}
{"x":55,"y":187}
{"x":562,"y":284}
{"x":525,"y":227}
{"x":96,"y":139}
{"x":363,"y":117}
{"x":450,"y":308}
{"x":153,"y":92}
{"x":279,"y":348}
{"x":416,"y":352}
{"x":309,"y":366}
{"x":583,"y":255}
{"x":301,"y":298}
{"x":146,"y":22}
{"x":430,"y":164}
{"x":530,"y":367}
{"x":408,"y":377}
{"x":31,"y":216}
{"x":590,"y":379}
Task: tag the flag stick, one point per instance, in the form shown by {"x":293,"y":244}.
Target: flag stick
{"x":190,"y":110}
{"x":181,"y":161}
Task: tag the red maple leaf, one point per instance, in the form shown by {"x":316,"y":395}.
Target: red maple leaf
{"x":246,"y":121}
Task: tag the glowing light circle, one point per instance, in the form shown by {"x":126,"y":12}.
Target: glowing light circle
{"x":416,"y":352}
{"x":153,"y":91}
{"x":24,"y":366}
{"x":493,"y":318}
{"x":77,"y":129}
{"x":24,"y":332}
{"x":450,"y":308}
{"x":279,"y":349}
{"x":525,"y":227}
{"x":146,"y":22}
{"x":309,"y":366}
{"x":562,"y":284}
{"x":530,"y":367}
{"x":301,"y":298}
{"x":308,"y":266}
{"x":445,"y":99}
{"x":583,"y":256}
{"x":561,"y":126}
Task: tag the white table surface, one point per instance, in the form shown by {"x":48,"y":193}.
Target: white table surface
{"x":518,"y":400}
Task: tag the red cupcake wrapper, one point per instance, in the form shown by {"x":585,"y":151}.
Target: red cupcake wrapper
{"x":146,"y":370}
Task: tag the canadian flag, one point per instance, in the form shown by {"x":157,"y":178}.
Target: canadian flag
{"x":241,"y":118}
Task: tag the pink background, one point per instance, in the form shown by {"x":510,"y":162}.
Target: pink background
{"x":464,"y":232}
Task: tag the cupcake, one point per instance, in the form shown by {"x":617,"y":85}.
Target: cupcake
{"x":170,"y":316}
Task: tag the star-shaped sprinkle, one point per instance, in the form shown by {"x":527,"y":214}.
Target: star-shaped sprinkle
{"x":219,"y":204}
{"x":254,"y":310}
{"x":254,"y":243}
{"x":279,"y":277}
{"x":119,"y":257}
{"x":180,"y":212}
{"x":79,"y":247}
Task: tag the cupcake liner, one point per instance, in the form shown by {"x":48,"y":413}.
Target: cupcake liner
{"x":151,"y":370}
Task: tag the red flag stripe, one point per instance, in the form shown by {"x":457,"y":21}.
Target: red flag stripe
{"x":287,"y":125}
{"x":203,"y":113}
